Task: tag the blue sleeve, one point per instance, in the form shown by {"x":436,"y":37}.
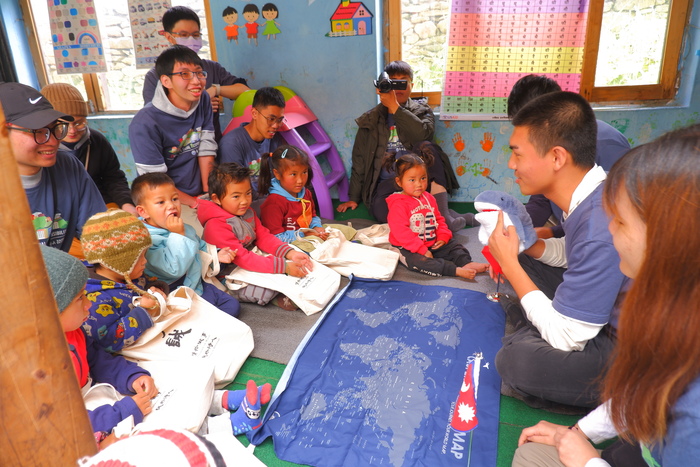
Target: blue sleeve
{"x":149,"y":86}
{"x":681,"y":445}
{"x":169,"y":258}
{"x":114,"y":321}
{"x":112,"y":369}
{"x":106,"y":417}
{"x":223,"y":77}
{"x":231,"y":149}
{"x":288,"y":236}
{"x":315,"y":222}
{"x":593,"y":266}
{"x":146,"y":143}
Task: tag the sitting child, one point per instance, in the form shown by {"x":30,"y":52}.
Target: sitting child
{"x":285,"y":174}
{"x":229,"y":221}
{"x":68,"y":278}
{"x":174,"y":255}
{"x":91,"y":363}
{"x":418,"y":229}
{"x":116,"y":242}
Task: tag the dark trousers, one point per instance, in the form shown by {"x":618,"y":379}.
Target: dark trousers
{"x":444,"y":262}
{"x":220,"y":299}
{"x":528,"y":364}
{"x":379,"y":209}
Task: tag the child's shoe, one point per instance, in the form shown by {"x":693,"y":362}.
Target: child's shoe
{"x":246,"y":418}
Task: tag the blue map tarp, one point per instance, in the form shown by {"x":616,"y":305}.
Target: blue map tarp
{"x":393,"y":374}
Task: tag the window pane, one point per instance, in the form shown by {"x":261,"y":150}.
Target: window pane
{"x":424,"y":30}
{"x":632,"y":39}
{"x":123,"y":83}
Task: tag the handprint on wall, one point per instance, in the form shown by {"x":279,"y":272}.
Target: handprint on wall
{"x":458,"y":142}
{"x":487,"y":142}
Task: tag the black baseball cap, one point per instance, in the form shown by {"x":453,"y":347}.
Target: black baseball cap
{"x":25,"y":106}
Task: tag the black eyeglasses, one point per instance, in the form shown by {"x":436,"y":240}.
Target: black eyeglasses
{"x":188,"y":75}
{"x":272,"y":119}
{"x":42,"y":135}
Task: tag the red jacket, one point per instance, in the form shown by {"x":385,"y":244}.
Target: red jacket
{"x":241,"y":234}
{"x":415,"y":223}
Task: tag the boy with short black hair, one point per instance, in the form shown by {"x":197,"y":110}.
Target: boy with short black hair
{"x":174,"y":134}
{"x":181,"y":25}
{"x":247,"y":143}
{"x":229,"y":221}
{"x":174,"y":254}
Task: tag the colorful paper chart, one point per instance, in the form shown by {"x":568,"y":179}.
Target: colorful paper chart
{"x":147,"y":30}
{"x":492,"y":44}
{"x":76,"y":38}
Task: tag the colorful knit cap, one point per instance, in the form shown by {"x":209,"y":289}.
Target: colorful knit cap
{"x":115,"y":239}
{"x":67,"y":275}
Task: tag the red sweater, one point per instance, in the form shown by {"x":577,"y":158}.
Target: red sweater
{"x":241,"y":234}
{"x":415,"y":223}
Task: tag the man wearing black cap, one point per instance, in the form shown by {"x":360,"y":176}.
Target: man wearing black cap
{"x":61,"y":194}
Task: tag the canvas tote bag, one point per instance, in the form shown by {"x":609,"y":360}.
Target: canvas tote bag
{"x":193,"y":328}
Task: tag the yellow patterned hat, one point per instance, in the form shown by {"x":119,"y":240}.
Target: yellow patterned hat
{"x":115,"y":239}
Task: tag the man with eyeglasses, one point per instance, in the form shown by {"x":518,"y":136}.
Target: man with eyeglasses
{"x":61,"y":194}
{"x":174,"y":134}
{"x":246,"y":144}
{"x":90,"y":147}
{"x":181,"y":26}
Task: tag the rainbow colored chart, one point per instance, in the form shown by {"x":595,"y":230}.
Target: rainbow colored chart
{"x":75,"y":34}
{"x":493,"y":43}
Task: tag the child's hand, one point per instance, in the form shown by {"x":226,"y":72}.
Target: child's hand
{"x":299,"y":257}
{"x":319,"y":232}
{"x":428,"y":254}
{"x":342,"y":207}
{"x":227,"y":255}
{"x":175,"y":224}
{"x":439,"y":244}
{"x":150,"y":304}
{"x":144,"y":384}
{"x":295,"y":270}
{"x":143,"y":402}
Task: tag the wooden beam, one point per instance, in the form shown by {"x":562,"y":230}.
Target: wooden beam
{"x":43,"y":420}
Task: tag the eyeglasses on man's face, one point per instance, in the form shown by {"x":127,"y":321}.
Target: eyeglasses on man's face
{"x":188,"y":75}
{"x":185,"y":35}
{"x":271,"y":120}
{"x":42,"y":135}
{"x":78,"y":126}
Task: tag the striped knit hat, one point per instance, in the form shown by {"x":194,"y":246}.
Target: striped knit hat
{"x":115,"y":239}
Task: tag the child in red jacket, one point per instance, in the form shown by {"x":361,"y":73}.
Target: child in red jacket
{"x":229,"y":221}
{"x":418,"y":229}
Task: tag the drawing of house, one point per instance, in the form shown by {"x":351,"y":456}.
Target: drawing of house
{"x":351,"y":19}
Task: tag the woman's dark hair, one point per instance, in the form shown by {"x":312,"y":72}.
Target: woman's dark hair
{"x":278,"y":160}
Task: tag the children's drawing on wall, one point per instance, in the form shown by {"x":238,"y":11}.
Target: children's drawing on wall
{"x":76,"y":37}
{"x":351,"y":19}
{"x":270,"y":13}
{"x":251,"y":15}
{"x":230,"y":16}
{"x":147,"y":31}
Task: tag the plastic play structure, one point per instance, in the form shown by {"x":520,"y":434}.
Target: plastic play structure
{"x":301,"y":129}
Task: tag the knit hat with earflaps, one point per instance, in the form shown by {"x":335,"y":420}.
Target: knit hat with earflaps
{"x":67,"y":275}
{"x":115,"y":239}
{"x":66,"y":98}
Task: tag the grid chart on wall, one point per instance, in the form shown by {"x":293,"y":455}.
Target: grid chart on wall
{"x":493,"y":43}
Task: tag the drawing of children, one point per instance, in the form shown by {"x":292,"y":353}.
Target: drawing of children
{"x":270,"y":12}
{"x":251,"y":14}
{"x":230,"y":16}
